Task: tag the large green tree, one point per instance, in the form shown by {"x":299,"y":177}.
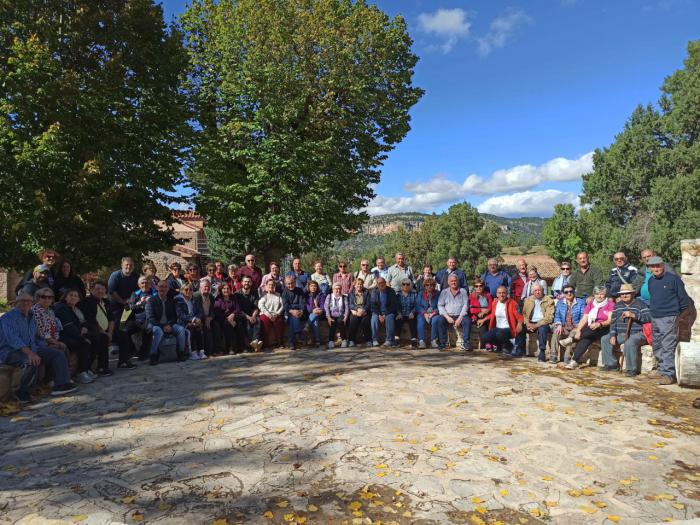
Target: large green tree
{"x":644,"y":190}
{"x":92,"y":128}
{"x":297,"y":104}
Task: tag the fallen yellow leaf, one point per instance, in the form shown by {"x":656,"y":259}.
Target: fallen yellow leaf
{"x":588,"y":491}
{"x":312,"y":508}
{"x":678,"y":506}
{"x":613,"y":518}
{"x":269,"y":515}
{"x":282,"y":504}
{"x":504,"y":492}
{"x":476,"y":499}
{"x":128,"y":499}
{"x":355,"y":505}
{"x":547,"y":478}
{"x":220,"y":521}
{"x":137,"y":516}
{"x":653,"y":458}
{"x":550,"y":503}
{"x":380,"y":465}
{"x":380,"y":474}
{"x":536,"y":512}
{"x":587,"y":509}
{"x":574,"y":493}
{"x":279,"y":430}
{"x":600,"y":504}
{"x":79,"y":517}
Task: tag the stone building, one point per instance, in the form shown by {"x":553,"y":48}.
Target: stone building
{"x":192,"y":243}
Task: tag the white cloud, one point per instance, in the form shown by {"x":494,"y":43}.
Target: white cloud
{"x":449,"y":25}
{"x":439,"y":190}
{"x":501,"y":29}
{"x":528,"y":203}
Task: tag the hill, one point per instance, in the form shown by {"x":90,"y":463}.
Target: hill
{"x":373,"y":232}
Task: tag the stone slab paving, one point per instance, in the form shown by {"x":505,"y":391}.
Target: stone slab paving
{"x":355,"y":436}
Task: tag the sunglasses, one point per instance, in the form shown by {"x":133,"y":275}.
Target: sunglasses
{"x":568,"y":292}
{"x":46,"y":297}
{"x":626,"y":293}
{"x":341,"y":266}
{"x":405,"y":285}
{"x":565,"y":268}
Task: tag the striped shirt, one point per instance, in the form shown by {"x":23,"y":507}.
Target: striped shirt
{"x":17,"y":332}
{"x":408,"y":303}
{"x":618,"y":325}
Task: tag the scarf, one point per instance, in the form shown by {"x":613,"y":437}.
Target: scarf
{"x":593,"y":314}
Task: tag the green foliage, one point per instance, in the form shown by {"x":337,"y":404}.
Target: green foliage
{"x":298,"y":103}
{"x":92,"y":128}
{"x":644,"y":190}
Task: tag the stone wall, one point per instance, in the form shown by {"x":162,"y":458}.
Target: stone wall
{"x":8,"y":282}
{"x":690,"y":272}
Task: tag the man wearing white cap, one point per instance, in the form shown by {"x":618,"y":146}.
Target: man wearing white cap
{"x":40,"y":279}
{"x":667,"y":299}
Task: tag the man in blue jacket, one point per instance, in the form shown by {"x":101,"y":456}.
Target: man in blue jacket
{"x":493,"y":278}
{"x":667,"y":300}
{"x":383,"y":304}
{"x":445,"y":273}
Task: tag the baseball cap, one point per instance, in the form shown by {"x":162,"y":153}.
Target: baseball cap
{"x":41,"y":268}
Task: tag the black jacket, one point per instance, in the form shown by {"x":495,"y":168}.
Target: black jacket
{"x":154,"y":311}
{"x":391,"y":301}
{"x":197,"y":298}
{"x":89,"y":308}
{"x":70,"y":322}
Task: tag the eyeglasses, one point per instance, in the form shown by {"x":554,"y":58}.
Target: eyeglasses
{"x":46,"y":297}
{"x":210,"y":270}
{"x":564,"y":268}
{"x":365,"y":264}
{"x":341,"y":266}
{"x":405,"y":284}
{"x":478,"y":286}
{"x":618,"y":258}
{"x":431,"y":285}
{"x":568,"y":292}
{"x":626,"y":293}
{"x":47,"y":256}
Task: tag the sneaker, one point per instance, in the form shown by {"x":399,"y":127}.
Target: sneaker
{"x":567,"y":341}
{"x":541,"y":357}
{"x":375,"y":343}
{"x":258,"y":345}
{"x":343,"y":344}
{"x":126,"y":365}
{"x":488,"y":347}
{"x":630,"y":373}
{"x":572,"y":365}
{"x":114,"y":349}
{"x":153,"y":360}
{"x":91,"y":374}
{"x":421,"y":344}
{"x":202,"y":355}
{"x":83,"y":378}
{"x":434,"y":344}
{"x":61,"y":390}
{"x":667,"y":380}
{"x":553,"y":361}
{"x":194,"y":356}
{"x":414,"y":341}
{"x":351,"y":344}
{"x":331,"y":345}
{"x":610,"y":368}
{"x":23,"y":397}
{"x":104,"y":372}
{"x":387,"y":344}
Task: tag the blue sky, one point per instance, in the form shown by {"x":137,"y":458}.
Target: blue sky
{"x":518,"y":94}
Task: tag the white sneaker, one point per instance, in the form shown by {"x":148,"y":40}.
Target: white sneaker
{"x":257,"y":345}
{"x":343,"y":344}
{"x":434,"y":344}
{"x":421,"y":344}
{"x":194,"y":356}
{"x":83,"y":378}
{"x":331,"y":345}
{"x":351,"y":344}
{"x":567,"y":341}
{"x":91,"y":374}
{"x":375,"y":343}
{"x":572,"y":365}
{"x":202,"y":355}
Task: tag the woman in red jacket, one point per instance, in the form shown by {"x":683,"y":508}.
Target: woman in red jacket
{"x":480,"y":308}
{"x":504,"y":322}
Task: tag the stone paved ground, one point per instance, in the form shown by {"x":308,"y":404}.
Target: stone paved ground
{"x":355,"y":436}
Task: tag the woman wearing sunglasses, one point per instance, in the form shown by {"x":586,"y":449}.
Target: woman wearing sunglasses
{"x":567,"y":315}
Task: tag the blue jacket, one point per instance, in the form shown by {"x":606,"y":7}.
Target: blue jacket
{"x":423,"y":303}
{"x":184,"y":316}
{"x":391,"y":302}
{"x":154,"y":309}
{"x":445,"y":273}
{"x":16,"y":332}
{"x":560,"y":311}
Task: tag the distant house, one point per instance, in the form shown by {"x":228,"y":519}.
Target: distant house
{"x":547,"y":267}
{"x":192,"y":246}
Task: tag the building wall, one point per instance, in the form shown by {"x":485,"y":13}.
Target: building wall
{"x":690,"y":273}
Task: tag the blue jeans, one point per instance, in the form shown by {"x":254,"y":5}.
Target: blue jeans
{"x":51,"y":357}
{"x":295,"y":325}
{"x":178,"y":332}
{"x":542,"y":336}
{"x":434,"y":320}
{"x":632,"y":349}
{"x":442,"y":329}
{"x":499,"y":337}
{"x":389,"y":327}
{"x":313,"y":323}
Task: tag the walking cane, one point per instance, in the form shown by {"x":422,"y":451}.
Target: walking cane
{"x":627,"y":336}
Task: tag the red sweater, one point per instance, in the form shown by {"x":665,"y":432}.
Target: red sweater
{"x":517,"y":287}
{"x":475,"y":306}
{"x":511,"y":313}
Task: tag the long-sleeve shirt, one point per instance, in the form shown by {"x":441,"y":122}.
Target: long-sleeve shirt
{"x":270,"y":305}
{"x":493,"y":282}
{"x":407,"y":303}
{"x":324,"y":282}
{"x":584,"y":282}
{"x":561,"y":311}
{"x":16,"y":332}
{"x":619,"y":276}
{"x":618,"y":325}
{"x":336,"y":306}
{"x":455,"y":305}
{"x":345,"y":280}
{"x":667,"y":295}
{"x":444,"y":274}
{"x":368,"y":278}
{"x":293,"y":300}
{"x":279,"y":282}
{"x":397,"y":274}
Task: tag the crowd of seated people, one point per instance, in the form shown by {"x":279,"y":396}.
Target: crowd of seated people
{"x":234,"y":309}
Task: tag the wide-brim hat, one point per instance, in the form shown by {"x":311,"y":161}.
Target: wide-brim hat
{"x":626,"y":288}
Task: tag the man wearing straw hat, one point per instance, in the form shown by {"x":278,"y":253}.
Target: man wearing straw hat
{"x":667,"y":299}
{"x":628,"y":317}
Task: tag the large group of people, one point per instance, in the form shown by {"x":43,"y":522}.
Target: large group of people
{"x":240,"y":309}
